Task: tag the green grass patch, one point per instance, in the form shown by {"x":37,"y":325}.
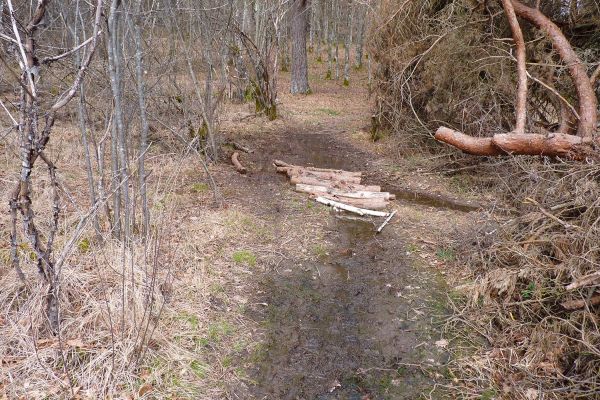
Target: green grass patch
{"x":191,"y":319}
{"x":84,"y":245}
{"x":199,"y":369}
{"x":445,"y":254}
{"x":199,"y":187}
{"x":244,"y":257}
{"x":320,"y":251}
{"x":219,"y":330}
{"x":328,"y":111}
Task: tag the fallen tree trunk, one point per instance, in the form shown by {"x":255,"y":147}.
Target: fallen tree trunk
{"x":346,"y":207}
{"x":311,"y":189}
{"x":552,"y":145}
{"x":236,"y":162}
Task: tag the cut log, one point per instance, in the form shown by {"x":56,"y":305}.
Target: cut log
{"x":291,"y":171}
{"x":552,"y":145}
{"x":346,"y":207}
{"x":281,"y":164}
{"x":311,"y":189}
{"x":326,"y":177}
{"x":236,"y":162}
{"x":373,"y":204}
{"x":304,"y":188}
{"x":318,"y":181}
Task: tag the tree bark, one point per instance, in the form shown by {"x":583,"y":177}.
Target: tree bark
{"x":299,"y":84}
{"x":521,"y":106}
{"x":553,"y":144}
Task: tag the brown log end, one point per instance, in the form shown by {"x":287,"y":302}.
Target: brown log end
{"x":466,"y":143}
{"x":236,"y":162}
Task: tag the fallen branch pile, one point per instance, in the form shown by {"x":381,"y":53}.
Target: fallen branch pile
{"x":336,"y":186}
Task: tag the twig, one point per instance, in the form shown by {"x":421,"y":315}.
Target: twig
{"x":387,"y":220}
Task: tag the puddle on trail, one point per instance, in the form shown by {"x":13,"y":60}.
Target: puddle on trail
{"x":433,"y":199}
{"x":354,"y":325}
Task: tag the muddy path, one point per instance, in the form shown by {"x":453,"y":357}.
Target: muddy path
{"x":361,"y":320}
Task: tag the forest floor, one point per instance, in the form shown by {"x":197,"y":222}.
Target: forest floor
{"x":286,"y":300}
{"x":275,"y":297}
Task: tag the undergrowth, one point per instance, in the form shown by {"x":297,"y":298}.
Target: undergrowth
{"x":533,"y":304}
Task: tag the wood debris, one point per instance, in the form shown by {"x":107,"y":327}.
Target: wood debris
{"x":236,"y":162}
{"x":338,"y":188}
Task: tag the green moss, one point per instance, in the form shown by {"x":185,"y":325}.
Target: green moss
{"x":84,"y":245}
{"x":445,"y":254}
{"x":244,"y":257}
{"x":346,"y":82}
{"x":199,"y":187}
{"x":489,"y":394}
{"x":328,"y":74}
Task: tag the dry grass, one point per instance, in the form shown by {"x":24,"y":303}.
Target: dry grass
{"x":529,"y":342}
{"x":171,"y":319}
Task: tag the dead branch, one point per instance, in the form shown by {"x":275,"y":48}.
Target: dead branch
{"x":236,"y":162}
{"x":578,"y":304}
{"x":587,"y":280}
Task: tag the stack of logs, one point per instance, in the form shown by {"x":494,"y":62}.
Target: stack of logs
{"x":337,"y":185}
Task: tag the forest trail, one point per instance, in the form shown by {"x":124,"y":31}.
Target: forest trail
{"x":338,"y":311}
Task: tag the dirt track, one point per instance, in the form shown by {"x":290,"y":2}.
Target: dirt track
{"x":361,"y":319}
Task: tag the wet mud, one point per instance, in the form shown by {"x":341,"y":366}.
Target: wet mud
{"x":361,"y":321}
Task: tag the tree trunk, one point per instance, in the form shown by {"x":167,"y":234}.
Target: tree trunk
{"x":521,"y":105}
{"x":362,"y":21}
{"x":299,"y":83}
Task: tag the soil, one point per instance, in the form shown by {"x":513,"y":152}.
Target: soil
{"x":361,"y":318}
{"x":357,"y":322}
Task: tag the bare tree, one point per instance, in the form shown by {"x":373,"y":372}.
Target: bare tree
{"x":300,"y":14}
{"x":34,"y":137}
